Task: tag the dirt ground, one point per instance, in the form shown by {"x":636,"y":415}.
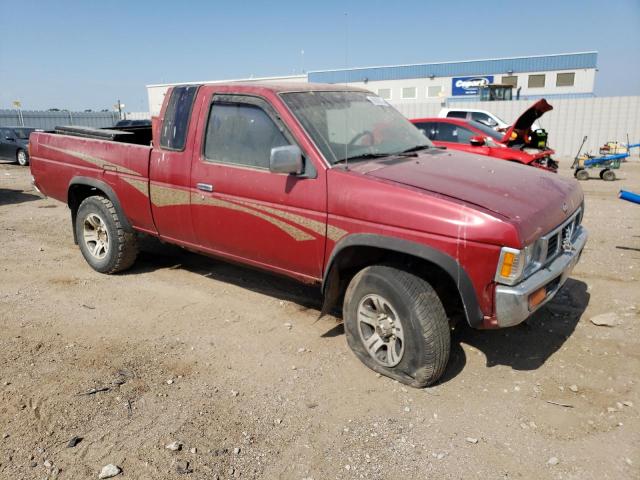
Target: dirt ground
{"x":236,"y":366}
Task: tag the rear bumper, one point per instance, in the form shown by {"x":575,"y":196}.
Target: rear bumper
{"x":512,"y":303}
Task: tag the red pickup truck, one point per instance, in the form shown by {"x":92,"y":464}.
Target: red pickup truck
{"x":331,"y":186}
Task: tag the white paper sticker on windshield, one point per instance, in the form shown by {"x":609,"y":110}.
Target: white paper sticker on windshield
{"x":377,"y":101}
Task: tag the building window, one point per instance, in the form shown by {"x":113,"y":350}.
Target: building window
{"x":510,"y":80}
{"x":536,"y":81}
{"x":384,"y":93}
{"x":565,"y":79}
{"x":434,"y":91}
{"x":409,"y":92}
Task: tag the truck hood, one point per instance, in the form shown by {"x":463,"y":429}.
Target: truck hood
{"x":525,"y":121}
{"x":534,"y":200}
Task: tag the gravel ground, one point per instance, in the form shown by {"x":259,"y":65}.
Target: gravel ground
{"x":236,"y":367}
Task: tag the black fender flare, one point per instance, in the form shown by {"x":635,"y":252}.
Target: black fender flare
{"x":107,"y":190}
{"x":445,"y":262}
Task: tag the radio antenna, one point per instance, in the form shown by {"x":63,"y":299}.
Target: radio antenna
{"x":346,"y":74}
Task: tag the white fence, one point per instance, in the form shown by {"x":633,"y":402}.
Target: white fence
{"x":602,"y":119}
{"x":137,"y":116}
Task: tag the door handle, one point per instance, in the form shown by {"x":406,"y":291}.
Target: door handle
{"x":205,"y":187}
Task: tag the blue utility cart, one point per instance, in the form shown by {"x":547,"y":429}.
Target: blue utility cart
{"x":605,"y":163}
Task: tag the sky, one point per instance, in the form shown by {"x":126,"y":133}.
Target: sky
{"x":80,"y":55}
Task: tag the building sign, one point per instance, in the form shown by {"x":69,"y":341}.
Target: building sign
{"x":469,"y":85}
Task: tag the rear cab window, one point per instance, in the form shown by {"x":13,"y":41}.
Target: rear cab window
{"x":176,"y":117}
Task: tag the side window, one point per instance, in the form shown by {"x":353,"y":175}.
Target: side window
{"x":484,"y":119}
{"x":176,"y":118}
{"x":428,"y":128}
{"x":448,"y":132}
{"x":455,"y":114}
{"x":241,"y":134}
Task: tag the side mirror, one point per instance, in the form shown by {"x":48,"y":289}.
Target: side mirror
{"x":477,"y":141}
{"x":287,"y":159}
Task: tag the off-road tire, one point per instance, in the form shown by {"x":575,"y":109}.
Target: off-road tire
{"x":123,"y":248}
{"x":427,"y":336}
{"x":581,"y":174}
{"x":22,"y":158}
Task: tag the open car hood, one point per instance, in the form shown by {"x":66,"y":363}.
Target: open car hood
{"x":523,"y":124}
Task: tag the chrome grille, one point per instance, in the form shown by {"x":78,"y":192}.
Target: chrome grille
{"x":552,"y":246}
{"x":560,"y":235}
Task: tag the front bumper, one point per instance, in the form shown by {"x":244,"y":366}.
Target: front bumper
{"x":512,"y":303}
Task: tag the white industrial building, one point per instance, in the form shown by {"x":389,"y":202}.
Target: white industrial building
{"x":564,"y":75}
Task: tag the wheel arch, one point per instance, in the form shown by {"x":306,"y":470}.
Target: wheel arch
{"x":357,"y":251}
{"x":84,"y":187}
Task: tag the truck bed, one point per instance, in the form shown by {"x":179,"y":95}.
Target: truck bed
{"x":138,"y":135}
{"x":58,"y":161}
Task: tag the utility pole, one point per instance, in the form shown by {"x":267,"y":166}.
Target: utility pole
{"x":119,"y":106}
{"x":18,"y":105}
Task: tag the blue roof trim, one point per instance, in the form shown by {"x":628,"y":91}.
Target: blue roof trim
{"x":569,"y":61}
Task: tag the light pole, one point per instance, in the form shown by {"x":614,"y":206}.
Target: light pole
{"x":119,"y":106}
{"x":18,"y":105}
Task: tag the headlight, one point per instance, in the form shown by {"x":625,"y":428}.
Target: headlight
{"x":514,"y":264}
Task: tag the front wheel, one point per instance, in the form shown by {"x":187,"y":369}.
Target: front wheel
{"x":105,"y":244}
{"x":22,"y":158}
{"x":396,"y":325}
{"x":581,"y":174}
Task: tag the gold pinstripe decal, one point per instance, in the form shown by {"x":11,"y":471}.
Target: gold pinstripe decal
{"x":162,"y":196}
{"x":141,"y":185}
{"x":98,"y":162}
{"x":333,"y":233}
{"x":168,"y":196}
{"x":295,"y":233}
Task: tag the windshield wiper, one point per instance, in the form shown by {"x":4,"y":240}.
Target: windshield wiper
{"x":414,"y":149}
{"x":364,"y":156}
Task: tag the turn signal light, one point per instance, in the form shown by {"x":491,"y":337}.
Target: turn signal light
{"x":507,"y":264}
{"x":537,"y":297}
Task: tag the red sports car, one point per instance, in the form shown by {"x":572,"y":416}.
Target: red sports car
{"x":517,"y":144}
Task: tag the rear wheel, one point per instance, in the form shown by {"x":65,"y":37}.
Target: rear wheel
{"x":608,"y":175}
{"x":396,"y":325}
{"x":22,"y":158}
{"x":581,"y":174}
{"x":103,"y":241}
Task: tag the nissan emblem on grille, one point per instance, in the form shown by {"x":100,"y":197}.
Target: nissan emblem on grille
{"x":567,"y":246}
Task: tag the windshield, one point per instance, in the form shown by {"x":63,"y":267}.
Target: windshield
{"x":347,"y":125}
{"x":22,"y":133}
{"x":488,"y":131}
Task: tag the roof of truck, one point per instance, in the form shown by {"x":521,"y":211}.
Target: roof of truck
{"x":281,"y":87}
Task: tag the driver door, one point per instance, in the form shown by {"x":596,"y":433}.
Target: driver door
{"x":243,"y":211}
